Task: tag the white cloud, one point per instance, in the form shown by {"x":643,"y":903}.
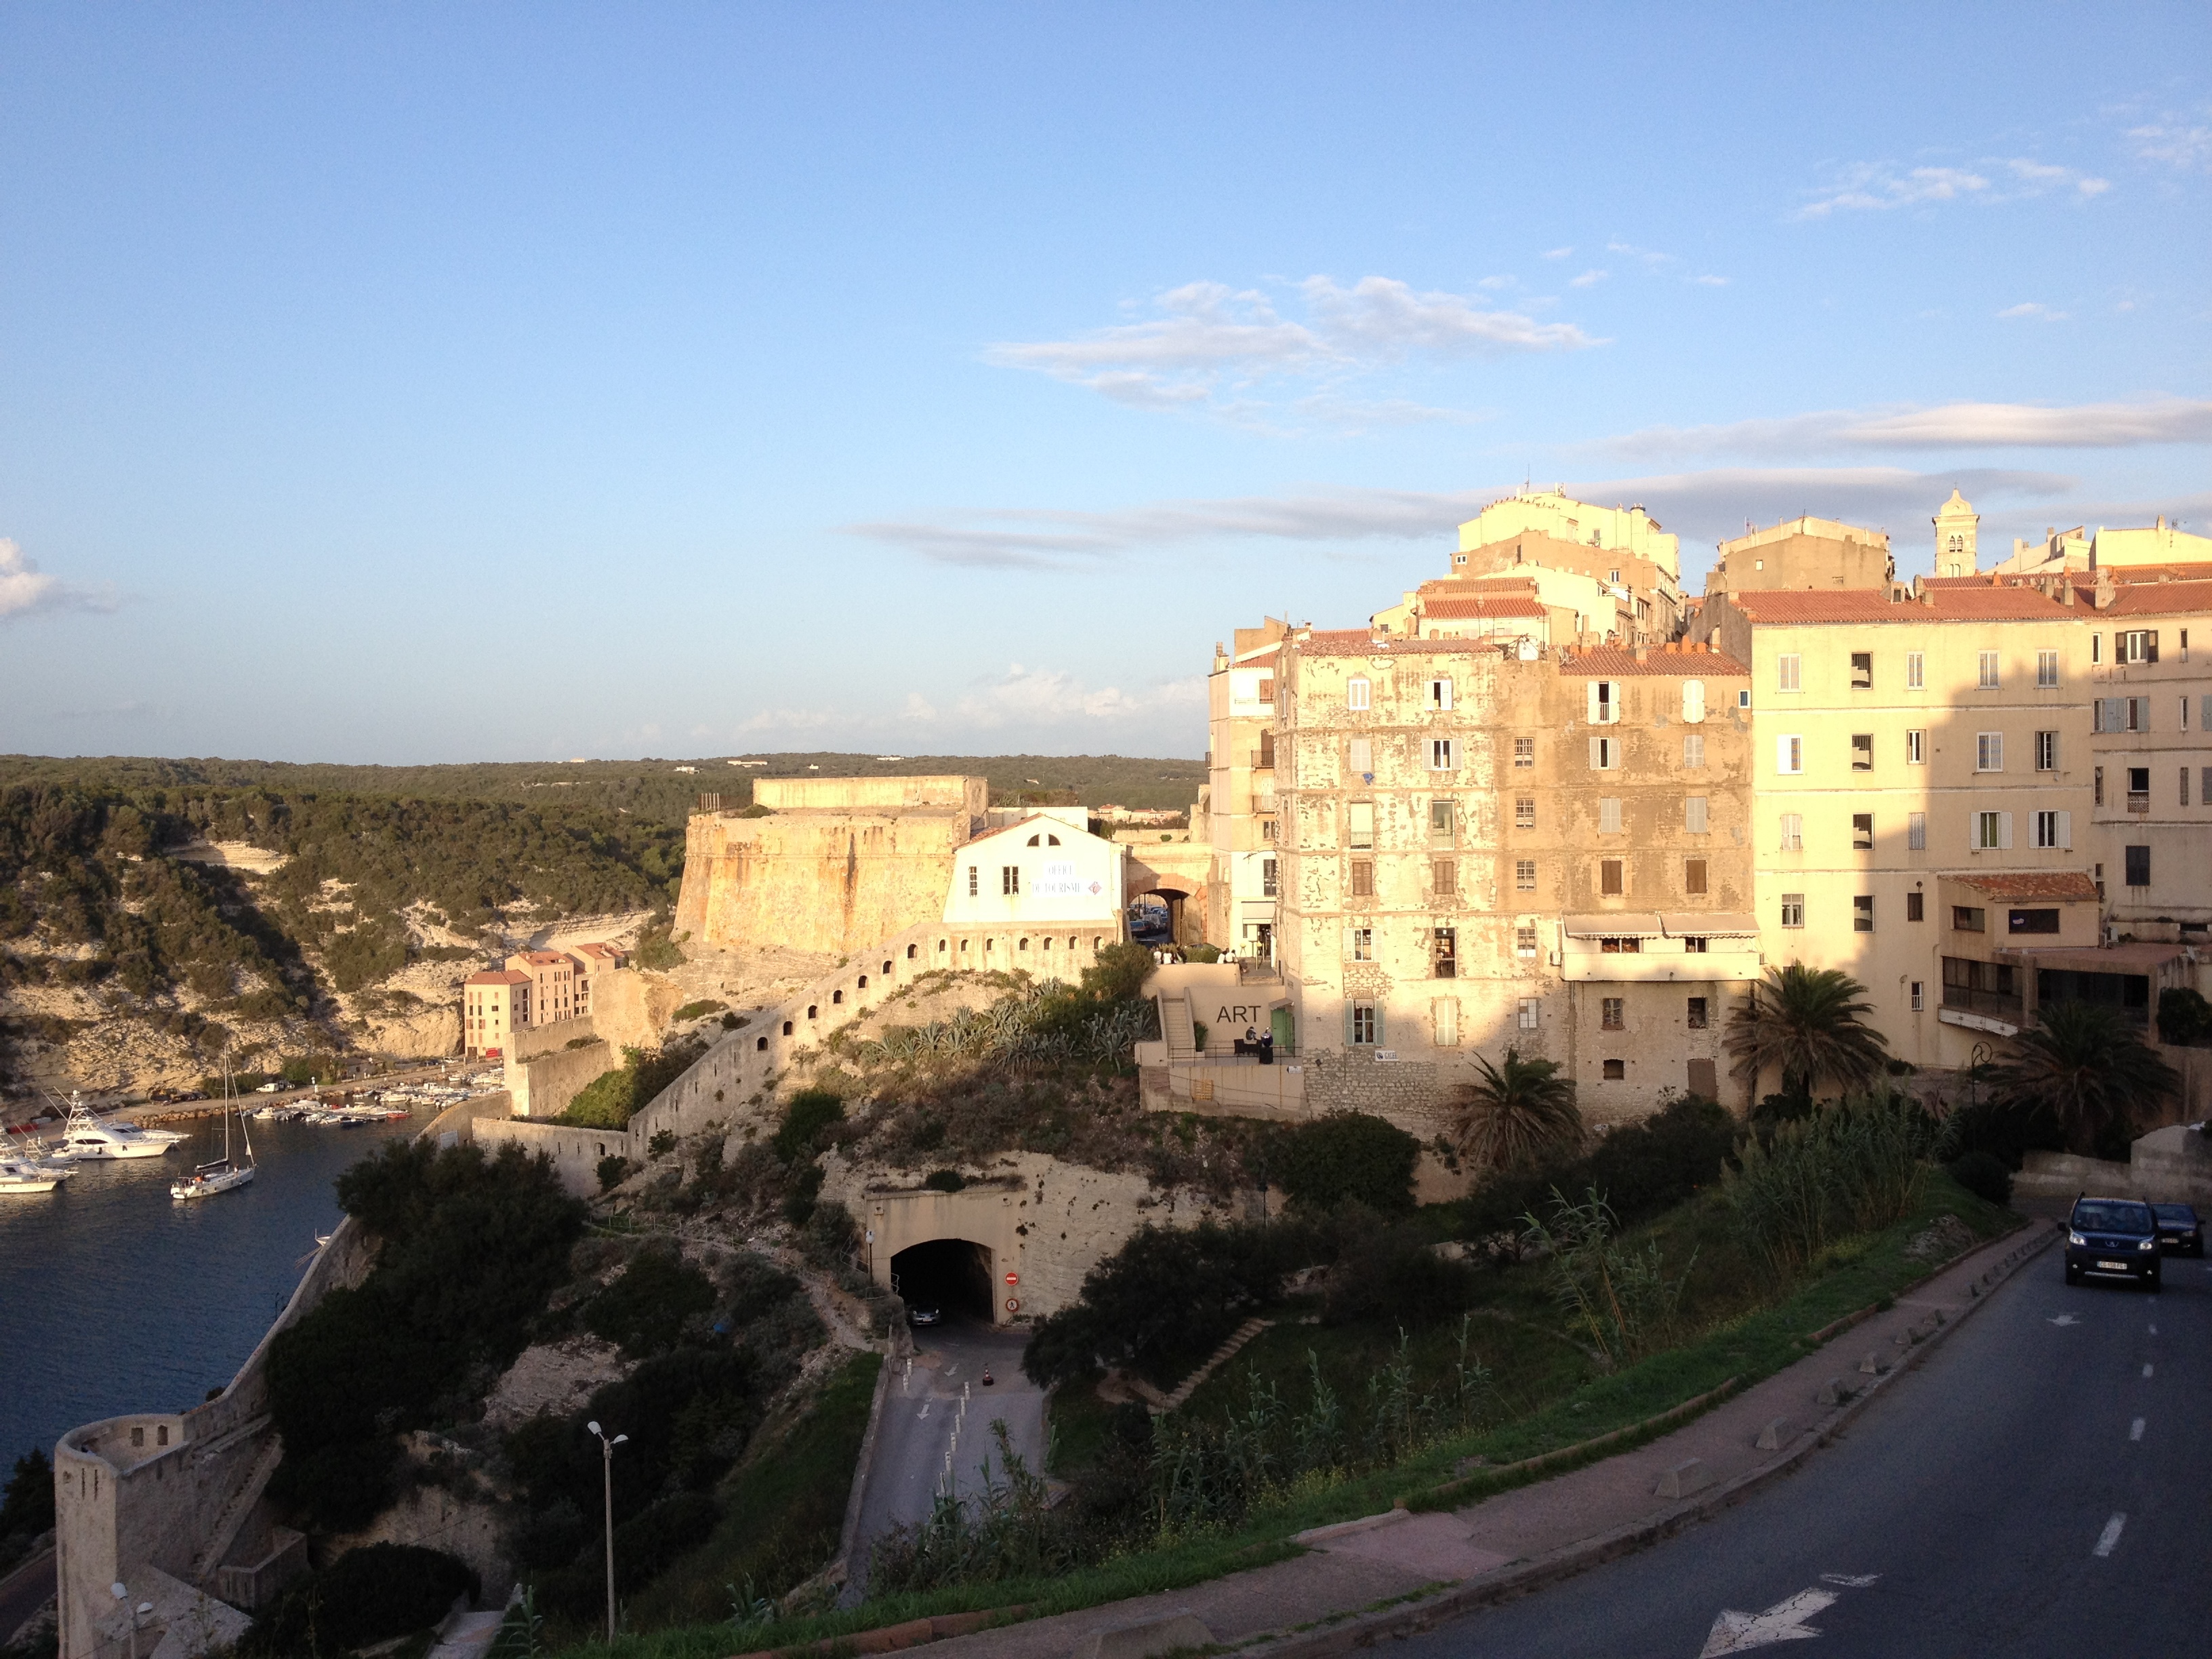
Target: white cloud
{"x":1876,"y":186}
{"x":2033,"y":310}
{"x":1643,"y":256}
{"x":1710,"y":282}
{"x":1213,"y":346}
{"x":2175,"y":141}
{"x":1557,"y":252}
{"x":1948,"y":426}
{"x":1587,"y":279}
{"x":25,"y":590}
{"x":1052,"y":696}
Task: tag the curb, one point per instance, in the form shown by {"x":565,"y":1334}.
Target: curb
{"x":861,"y":1467}
{"x":1569,"y":1560}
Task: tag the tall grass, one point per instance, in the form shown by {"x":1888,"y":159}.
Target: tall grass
{"x":1852,"y":1168}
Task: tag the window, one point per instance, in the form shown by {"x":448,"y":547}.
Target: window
{"x":1357,"y":691}
{"x":2204,"y":786}
{"x":1265,"y":759}
{"x":1604,"y":702}
{"x":1445,"y":1010}
{"x":1693,"y":751}
{"x":1611,"y":875}
{"x":1605,"y":753}
{"x":1696,"y":813}
{"x":1743,"y":698}
{"x":1863,"y":751}
{"x":2136,"y":644}
{"x":1524,"y":875}
{"x":1793,"y":909}
{"x":1609,"y":815}
{"x":1444,"y":755}
{"x":1443,"y":952}
{"x":1524,"y":812}
{"x":1992,"y":832}
{"x":1793,"y":833}
{"x":2096,"y":648}
{"x":2138,"y":866}
{"x":1443,"y":877}
{"x":1364,"y":1024}
{"x":2121,"y":715}
{"x":1693,"y":701}
{"x":1440,"y":824}
{"x":1861,"y":671}
{"x":1916,"y":832}
{"x":1616,"y":1071}
{"x":971,"y":881}
{"x":2046,"y":669}
{"x":2032,"y":921}
{"x":1693,"y":877}
{"x":1361,"y":826}
{"x":1267,"y":879}
{"x":1988,"y":682}
{"x":1266,"y":687}
{"x":2097,"y":785}
{"x":1362,"y":942}
{"x":1363,"y":878}
{"x":1919,"y":997}
{"x":1916,"y":671}
{"x":2184,"y":786}
{"x":2046,"y":752}
{"x":1528,"y":1013}
{"x":1989,"y":751}
{"x":1610,"y":1011}
{"x":2054,"y":829}
{"x":1268,"y":829}
{"x":1788,"y":672}
{"x":1915,"y":749}
{"x":1363,"y":757}
{"x":2138,"y":786}
{"x":1010,"y":879}
{"x":1627,"y":944}
{"x":1915,"y":907}
{"x":1524,"y":941}
{"x":1524,"y":751}
{"x":1862,"y":914}
{"x":1790,"y":755}
{"x":1967,"y":919}
{"x":1862,"y":832}
{"x":1440,"y":695}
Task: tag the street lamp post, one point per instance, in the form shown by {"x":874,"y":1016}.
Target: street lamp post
{"x":607,"y":1447}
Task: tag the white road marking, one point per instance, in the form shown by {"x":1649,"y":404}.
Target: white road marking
{"x":1850,"y":1581}
{"x":2154,"y":1330}
{"x":2064,"y":1319}
{"x":2135,"y":1429}
{"x":1735,"y":1632}
{"x":2146,"y":1369}
{"x":2109,"y":1537}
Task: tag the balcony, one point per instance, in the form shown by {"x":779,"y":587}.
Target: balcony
{"x":1994,"y":1004}
{"x":2139,"y":800}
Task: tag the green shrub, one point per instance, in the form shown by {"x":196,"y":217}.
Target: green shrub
{"x":1346,"y":1157}
{"x":698,"y":1009}
{"x":1202,"y":953}
{"x":2004,"y":1130}
{"x":1393,"y":1276}
{"x":645,"y":1310}
{"x":1849,"y":1168}
{"x":810,"y":1112}
{"x":2184,"y":1016}
{"x":799,"y":1198}
{"x":644,"y":1544}
{"x":945,"y":1180}
{"x":614,"y":1169}
{"x":1982,"y":1174}
{"x":607,"y":1101}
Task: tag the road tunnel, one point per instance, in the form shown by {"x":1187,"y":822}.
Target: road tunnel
{"x":953,"y":1275}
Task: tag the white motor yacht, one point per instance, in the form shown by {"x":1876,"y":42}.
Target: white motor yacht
{"x":19,"y":1175}
{"x":88,"y":1138}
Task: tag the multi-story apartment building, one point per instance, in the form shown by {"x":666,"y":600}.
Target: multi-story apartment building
{"x":1622,"y":549}
{"x":1239,"y":791}
{"x":2151,"y":750}
{"x":1922,"y":794}
{"x":495,"y":1006}
{"x":532,"y":988}
{"x":1487,"y":846}
{"x":1804,"y":554}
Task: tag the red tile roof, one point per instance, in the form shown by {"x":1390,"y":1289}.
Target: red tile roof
{"x":1503,"y":605}
{"x":1446,"y":587}
{"x":1359,"y":642}
{"x":498,"y":976}
{"x":1612,"y":659}
{"x":545,"y":958}
{"x":1871,"y":605}
{"x":2070,"y":886}
{"x":2160,"y":599}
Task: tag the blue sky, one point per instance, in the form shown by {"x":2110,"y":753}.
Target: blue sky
{"x":418,"y":383}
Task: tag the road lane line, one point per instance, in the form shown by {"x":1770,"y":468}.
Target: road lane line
{"x":2135,"y":1429}
{"x":2109,"y":1537}
{"x":2146,"y":1369}
{"x":2154,"y":1330}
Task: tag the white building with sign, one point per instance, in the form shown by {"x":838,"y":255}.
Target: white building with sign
{"x":1037,"y":874}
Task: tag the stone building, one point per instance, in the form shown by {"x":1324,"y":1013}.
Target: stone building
{"x":1033,"y":891}
{"x":495,"y":1006}
{"x":1241,"y":735}
{"x":1958,"y":530}
{"x":1623,"y":548}
{"x":1804,"y":554}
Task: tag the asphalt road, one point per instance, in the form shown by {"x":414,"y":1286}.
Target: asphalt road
{"x":923,"y":1416}
{"x":24,"y":1591}
{"x":2038,"y":1487}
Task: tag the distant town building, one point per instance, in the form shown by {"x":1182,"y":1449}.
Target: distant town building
{"x":532,"y":988}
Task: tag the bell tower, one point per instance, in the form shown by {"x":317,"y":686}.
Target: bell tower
{"x":1955,"y":523}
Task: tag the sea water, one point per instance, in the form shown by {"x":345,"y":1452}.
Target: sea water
{"x":115,"y":1298}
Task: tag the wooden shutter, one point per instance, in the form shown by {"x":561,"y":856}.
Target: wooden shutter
{"x":2004,"y":832}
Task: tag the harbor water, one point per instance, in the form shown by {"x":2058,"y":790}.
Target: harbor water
{"x":115,"y":1298}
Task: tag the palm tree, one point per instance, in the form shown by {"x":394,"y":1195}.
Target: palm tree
{"x":1808,"y":1023}
{"x":2088,"y":1067}
{"x":1518,"y":1111}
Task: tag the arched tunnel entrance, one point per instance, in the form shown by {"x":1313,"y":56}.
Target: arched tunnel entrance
{"x":950,"y":1274}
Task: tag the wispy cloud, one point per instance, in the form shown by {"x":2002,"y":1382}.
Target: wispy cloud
{"x":2032,"y":311}
{"x":25,"y":590}
{"x":2181,"y":141}
{"x":1651,"y":258}
{"x":1215,"y":348}
{"x":1589,"y":279}
{"x":1710,"y":282}
{"x":1878,"y":186}
{"x":1557,"y":252}
{"x":1948,"y":426}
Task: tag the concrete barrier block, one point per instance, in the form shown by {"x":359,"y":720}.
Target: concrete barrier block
{"x":1834,"y":1392}
{"x":1777,"y":1430}
{"x":1685,"y":1477}
{"x":1873,"y":1365}
{"x":1147,"y":1641}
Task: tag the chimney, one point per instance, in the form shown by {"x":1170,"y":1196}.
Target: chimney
{"x":1643,"y":654}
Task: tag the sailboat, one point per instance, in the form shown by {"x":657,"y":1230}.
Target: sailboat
{"x":225,"y":1173}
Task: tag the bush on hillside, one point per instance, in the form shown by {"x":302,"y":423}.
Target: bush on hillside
{"x":368,"y":1595}
{"x":1346,"y":1157}
{"x":2184,"y":1016}
{"x":1982,"y":1174}
{"x":647,"y":1309}
{"x":2007,"y":1131}
{"x":809,"y":1113}
{"x":1393,"y":1275}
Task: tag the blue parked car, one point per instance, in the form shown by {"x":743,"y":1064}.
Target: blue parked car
{"x":2112,"y":1238}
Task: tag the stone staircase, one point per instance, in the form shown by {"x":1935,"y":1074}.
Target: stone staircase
{"x":231,"y":1518}
{"x":1176,"y":1030}
{"x":1160,"y":1406}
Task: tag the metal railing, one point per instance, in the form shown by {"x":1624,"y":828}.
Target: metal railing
{"x":1993,"y":1003}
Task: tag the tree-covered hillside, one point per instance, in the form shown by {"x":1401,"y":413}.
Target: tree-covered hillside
{"x":640,"y":788}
